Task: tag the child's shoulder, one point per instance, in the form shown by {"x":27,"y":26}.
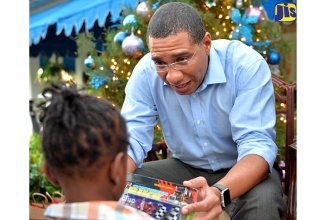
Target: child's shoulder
{"x":94,"y":209}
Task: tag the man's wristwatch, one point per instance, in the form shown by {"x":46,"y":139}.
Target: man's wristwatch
{"x":225,"y":194}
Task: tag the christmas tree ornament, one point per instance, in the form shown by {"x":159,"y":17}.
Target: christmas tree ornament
{"x":129,"y":20}
{"x":260,"y":46}
{"x":132,"y":46}
{"x":243,"y":28}
{"x":155,"y":6}
{"x":120,"y":37}
{"x":275,"y":69}
{"x":211,"y":3}
{"x":143,"y":9}
{"x":239,"y":3}
{"x":90,"y":62}
{"x":273,"y":58}
{"x":97,"y":80}
{"x":255,"y":11}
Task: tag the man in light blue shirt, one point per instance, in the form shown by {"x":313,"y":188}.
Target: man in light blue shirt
{"x":215,"y":101}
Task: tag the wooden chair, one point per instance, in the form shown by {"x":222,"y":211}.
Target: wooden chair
{"x":284,"y":93}
{"x":159,"y":151}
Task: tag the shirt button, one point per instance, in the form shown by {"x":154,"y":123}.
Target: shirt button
{"x":205,"y":144}
{"x":212,"y":161}
{"x":198,"y":122}
{"x":194,"y":96}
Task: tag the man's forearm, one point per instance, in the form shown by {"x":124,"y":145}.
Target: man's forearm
{"x":131,"y":166}
{"x":247,"y":173}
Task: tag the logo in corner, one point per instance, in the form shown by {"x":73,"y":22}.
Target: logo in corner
{"x":285,"y":12}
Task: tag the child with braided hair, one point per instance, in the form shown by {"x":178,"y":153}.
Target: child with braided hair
{"x":84,"y":141}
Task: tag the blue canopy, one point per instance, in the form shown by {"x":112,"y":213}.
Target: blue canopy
{"x":73,"y":14}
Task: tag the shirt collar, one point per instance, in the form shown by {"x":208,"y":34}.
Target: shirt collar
{"x":215,"y":73}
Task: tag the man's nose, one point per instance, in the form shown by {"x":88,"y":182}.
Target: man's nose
{"x":174,"y":76}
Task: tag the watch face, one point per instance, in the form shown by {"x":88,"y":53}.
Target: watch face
{"x":225,"y":195}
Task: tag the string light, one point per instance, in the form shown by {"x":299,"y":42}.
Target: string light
{"x":39,"y":74}
{"x":65,"y":76}
{"x":40,"y":71}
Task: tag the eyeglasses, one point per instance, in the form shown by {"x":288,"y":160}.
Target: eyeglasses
{"x":177,"y":65}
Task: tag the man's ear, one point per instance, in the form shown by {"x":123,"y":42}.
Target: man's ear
{"x":50,"y":175}
{"x":207,"y":42}
{"x":118,"y":168}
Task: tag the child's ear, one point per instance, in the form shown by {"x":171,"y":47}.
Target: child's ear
{"x":118,"y":168}
{"x":50,"y":175}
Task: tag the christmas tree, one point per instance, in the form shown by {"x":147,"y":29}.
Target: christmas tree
{"x":110,"y":68}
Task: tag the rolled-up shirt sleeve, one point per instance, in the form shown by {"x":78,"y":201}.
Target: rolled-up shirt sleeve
{"x":253,"y":117}
{"x":140,"y":114}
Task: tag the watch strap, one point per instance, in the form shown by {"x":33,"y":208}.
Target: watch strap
{"x":219,"y":186}
{"x":224,"y":194}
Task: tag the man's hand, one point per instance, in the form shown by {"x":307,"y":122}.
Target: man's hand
{"x":208,"y":205}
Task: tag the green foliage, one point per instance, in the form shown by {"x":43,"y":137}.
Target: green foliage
{"x":54,"y":72}
{"x":86,"y":43}
{"x":37,"y":180}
